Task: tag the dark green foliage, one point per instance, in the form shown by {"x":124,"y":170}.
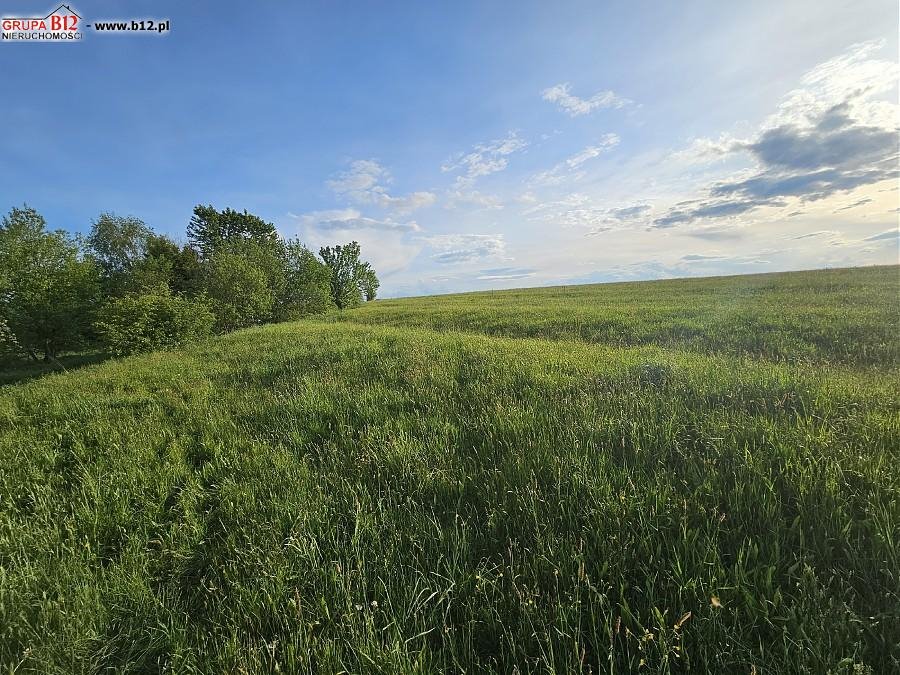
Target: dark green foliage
{"x":47,"y":291}
{"x":166,"y":263}
{"x":307,"y":288}
{"x":368,"y":282}
{"x":153,"y":319}
{"x":210,"y":229}
{"x":351,"y":278}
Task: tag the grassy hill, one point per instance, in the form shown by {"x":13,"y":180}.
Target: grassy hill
{"x":683,"y":476}
{"x":842,"y":315}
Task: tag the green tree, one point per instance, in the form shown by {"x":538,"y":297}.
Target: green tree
{"x":346,"y":268}
{"x":153,"y":319}
{"x":368,"y":282}
{"x":164,"y":262}
{"x":47,"y":290}
{"x":210,"y":229}
{"x":238,"y":290}
{"x":307,"y":288}
{"x":117,"y":244}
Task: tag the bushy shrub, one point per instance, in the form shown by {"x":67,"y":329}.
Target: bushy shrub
{"x":239,"y":291}
{"x":307,"y":288}
{"x":154,"y":319}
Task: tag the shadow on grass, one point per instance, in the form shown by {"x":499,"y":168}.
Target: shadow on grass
{"x":14,"y":370}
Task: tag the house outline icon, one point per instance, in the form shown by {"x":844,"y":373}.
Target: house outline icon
{"x":64,"y":7}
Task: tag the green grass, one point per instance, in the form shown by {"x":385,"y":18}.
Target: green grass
{"x":333,"y":496}
{"x":14,"y":369}
{"x":842,"y":315}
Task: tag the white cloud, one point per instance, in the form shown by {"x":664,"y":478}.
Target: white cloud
{"x":386,"y":243}
{"x":704,"y":150}
{"x":565,"y":171}
{"x":606,"y":143}
{"x":888,"y":235}
{"x":364,"y":183}
{"x":467,"y":248}
{"x":829,"y":137}
{"x":574,"y":106}
{"x":456,"y":197}
{"x":855,"y":77}
{"x":484,"y":159}
{"x":506,"y":274}
{"x":817,"y":233}
{"x":579,"y":211}
{"x":346,"y":220}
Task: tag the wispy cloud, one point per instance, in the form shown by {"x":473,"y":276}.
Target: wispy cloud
{"x":857,"y":203}
{"x":505,"y":274}
{"x":579,"y":210}
{"x":884,"y":236}
{"x":474,"y":198}
{"x":590,"y":152}
{"x":814,"y":235}
{"x":566,"y":171}
{"x":716,"y":233}
{"x":351,"y":219}
{"x":467,"y":248}
{"x":562,"y":95}
{"x":484,"y":159}
{"x":364,"y":183}
{"x":701,"y":150}
{"x":700,"y":258}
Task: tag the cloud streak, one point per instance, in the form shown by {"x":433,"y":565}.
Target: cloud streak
{"x":562,"y":95}
{"x":484,"y":159}
{"x":567,"y":170}
{"x":346,"y":220}
{"x":363,"y":183}
{"x":467,"y":248}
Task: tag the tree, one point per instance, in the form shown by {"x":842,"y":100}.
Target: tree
{"x":153,"y":319}
{"x":117,"y":244}
{"x":346,"y":272}
{"x":368,"y":282}
{"x":238,"y":290}
{"x":210,"y":229}
{"x":164,"y":262}
{"x":48,"y":292}
{"x":307,"y":288}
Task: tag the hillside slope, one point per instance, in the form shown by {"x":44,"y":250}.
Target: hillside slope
{"x":841,"y":315}
{"x":327,"y":496}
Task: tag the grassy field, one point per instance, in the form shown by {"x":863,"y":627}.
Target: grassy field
{"x":600,"y":483}
{"x":841,"y":315}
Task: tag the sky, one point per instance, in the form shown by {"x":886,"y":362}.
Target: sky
{"x":478,"y":145}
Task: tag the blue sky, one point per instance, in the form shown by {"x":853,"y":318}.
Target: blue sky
{"x":474,"y":145}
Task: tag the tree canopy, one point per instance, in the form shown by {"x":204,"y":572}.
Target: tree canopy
{"x":210,"y":229}
{"x":48,"y":292}
{"x":351,"y":279}
{"x":132,"y":289}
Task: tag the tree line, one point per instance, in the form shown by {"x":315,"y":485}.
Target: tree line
{"x":126,"y":289}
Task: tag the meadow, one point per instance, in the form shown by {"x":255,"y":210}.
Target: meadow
{"x":845,"y":315}
{"x":681,"y":476}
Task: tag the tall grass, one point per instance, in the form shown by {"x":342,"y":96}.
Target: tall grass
{"x":326,"y":497}
{"x":843,"y":315}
